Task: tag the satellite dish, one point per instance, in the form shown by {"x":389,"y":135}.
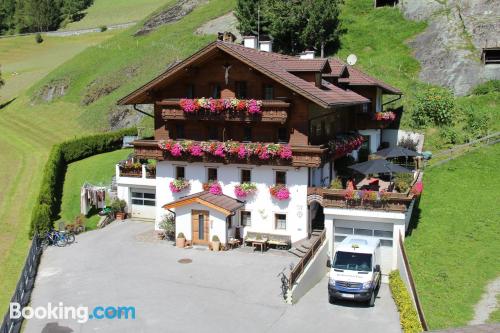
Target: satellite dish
{"x":351,"y":59}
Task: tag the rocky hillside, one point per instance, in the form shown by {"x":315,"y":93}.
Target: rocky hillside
{"x":449,"y":50}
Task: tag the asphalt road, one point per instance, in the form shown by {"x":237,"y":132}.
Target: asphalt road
{"x":239,"y":291}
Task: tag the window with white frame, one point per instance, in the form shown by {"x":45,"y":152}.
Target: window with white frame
{"x":143,"y":198}
{"x":246,"y":218}
{"x":280,"y":220}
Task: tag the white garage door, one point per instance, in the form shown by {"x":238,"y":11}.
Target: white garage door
{"x":143,"y":203}
{"x":382,"y":231}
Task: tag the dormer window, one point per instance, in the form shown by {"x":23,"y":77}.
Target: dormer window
{"x":241,"y":90}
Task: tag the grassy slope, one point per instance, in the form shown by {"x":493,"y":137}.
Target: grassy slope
{"x":96,"y":170}
{"x":123,"y":11}
{"x":455,"y":249}
{"x":24,"y":62}
{"x":495,"y":315}
{"x":28,"y":131}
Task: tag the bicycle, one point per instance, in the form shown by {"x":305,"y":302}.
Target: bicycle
{"x":284,"y":283}
{"x":54,"y":238}
{"x":68,"y":236}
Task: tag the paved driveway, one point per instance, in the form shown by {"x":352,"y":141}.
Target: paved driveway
{"x":238,"y":291}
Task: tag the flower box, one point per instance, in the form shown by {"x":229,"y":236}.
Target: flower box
{"x":213,"y":187}
{"x":244,"y":189}
{"x":345,"y":144}
{"x":279,"y":192}
{"x":178,"y":185}
{"x":218,"y":106}
{"x":384,"y":116}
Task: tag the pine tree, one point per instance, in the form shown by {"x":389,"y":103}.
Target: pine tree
{"x":7,"y":10}
{"x":322,"y":28}
{"x":247,"y":13}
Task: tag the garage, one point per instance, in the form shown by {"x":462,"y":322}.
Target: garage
{"x":380,"y":230}
{"x":143,"y":203}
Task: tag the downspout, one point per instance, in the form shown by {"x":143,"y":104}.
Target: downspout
{"x":395,"y":99}
{"x":143,"y":112}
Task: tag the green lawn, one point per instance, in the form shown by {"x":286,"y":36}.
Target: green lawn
{"x":30,"y":129}
{"x":495,"y":315}
{"x":455,"y":248}
{"x":24,"y":62}
{"x":109,"y":12}
{"x":96,"y":170}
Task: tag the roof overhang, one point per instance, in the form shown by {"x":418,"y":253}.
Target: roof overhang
{"x":197,"y":200}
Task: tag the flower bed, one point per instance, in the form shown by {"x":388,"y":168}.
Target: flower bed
{"x":178,"y":185}
{"x":213,"y":187}
{"x":279,"y":192}
{"x":244,"y":189}
{"x":366,"y":196}
{"x":384,"y":116}
{"x":345,"y":144}
{"x":241,"y":151}
{"x":213,"y":105}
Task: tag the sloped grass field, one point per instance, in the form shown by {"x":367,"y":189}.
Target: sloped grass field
{"x":30,"y":129}
{"x":96,"y":170}
{"x":455,"y":248}
{"x":109,"y":12}
{"x":24,"y":62}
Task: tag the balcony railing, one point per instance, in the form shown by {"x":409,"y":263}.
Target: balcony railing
{"x":144,"y":171}
{"x":333,"y":198}
{"x":272,"y":111}
{"x":302,"y":156}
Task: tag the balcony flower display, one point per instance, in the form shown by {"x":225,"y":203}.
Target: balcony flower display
{"x":279,"y":192}
{"x":213,"y":187}
{"x":244,"y":189}
{"x":226,"y":149}
{"x":213,"y":105}
{"x":345,"y":144}
{"x":178,"y":185}
{"x":385,"y":116}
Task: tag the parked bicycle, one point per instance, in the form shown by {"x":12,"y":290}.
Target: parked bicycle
{"x":58,"y":238}
{"x":284,"y":283}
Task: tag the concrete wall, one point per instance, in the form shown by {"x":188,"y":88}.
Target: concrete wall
{"x":261,"y":205}
{"x":313,"y":273}
{"x":403,"y":272}
{"x":393,"y":136}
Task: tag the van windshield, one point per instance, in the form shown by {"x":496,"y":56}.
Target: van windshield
{"x":353,"y":261}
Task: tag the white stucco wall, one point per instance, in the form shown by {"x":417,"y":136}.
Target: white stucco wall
{"x":261,"y":205}
{"x":375,"y":137}
{"x":217,"y":222}
{"x":393,"y":136}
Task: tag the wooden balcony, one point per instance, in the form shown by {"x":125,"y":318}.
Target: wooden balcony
{"x":330,"y":198}
{"x":275,"y":111}
{"x":302,"y":156}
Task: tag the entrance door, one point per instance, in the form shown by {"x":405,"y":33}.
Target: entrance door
{"x":200,"y":226}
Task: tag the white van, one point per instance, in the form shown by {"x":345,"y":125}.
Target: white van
{"x":355,"y":270}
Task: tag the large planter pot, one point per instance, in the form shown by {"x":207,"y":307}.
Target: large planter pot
{"x":216,"y":246}
{"x":180,"y":242}
{"x":121,"y":216}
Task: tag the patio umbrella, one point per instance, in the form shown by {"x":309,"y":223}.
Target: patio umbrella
{"x":396,"y":152}
{"x":378,"y":166}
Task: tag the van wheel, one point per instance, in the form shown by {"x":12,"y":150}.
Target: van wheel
{"x":331,"y":299}
{"x":371,"y":303}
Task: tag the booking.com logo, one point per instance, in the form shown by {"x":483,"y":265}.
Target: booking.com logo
{"x":81,"y":314}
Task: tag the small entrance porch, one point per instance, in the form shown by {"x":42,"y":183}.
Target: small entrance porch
{"x":203,"y":215}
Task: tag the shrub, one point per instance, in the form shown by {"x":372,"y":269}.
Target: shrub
{"x":449,"y":135}
{"x":48,"y":203}
{"x":336,"y":184}
{"x":434,"y":106}
{"x":180,"y":235}
{"x":408,"y":143}
{"x":38,"y":38}
{"x":167,"y":224}
{"x":402,"y":182}
{"x":407,"y":314}
{"x":477,"y":123}
{"x":103,"y":28}
{"x":118,"y":206}
{"x":487,"y":87}
{"x":215,"y":238}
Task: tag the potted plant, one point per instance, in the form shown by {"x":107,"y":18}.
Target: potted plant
{"x":178,"y":185}
{"x":167,"y":225}
{"x":181,"y":240}
{"x":118,"y":207}
{"x":215,"y":243}
{"x":279,"y":192}
{"x":244,"y":189}
{"x":213,"y":187}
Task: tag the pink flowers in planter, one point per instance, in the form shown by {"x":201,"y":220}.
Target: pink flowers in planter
{"x":417,"y":188}
{"x":279,"y":192}
{"x":385,"y":116}
{"x":244,"y":189}
{"x":213,"y":105}
{"x":213,"y":187}
{"x":227,"y":149}
{"x":178,"y":185}
{"x":345,"y":144}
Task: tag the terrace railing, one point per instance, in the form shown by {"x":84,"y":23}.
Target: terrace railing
{"x":22,"y":294}
{"x":145,"y":171}
{"x":299,"y":268}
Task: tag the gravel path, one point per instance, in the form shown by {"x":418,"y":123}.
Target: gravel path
{"x":487,"y":304}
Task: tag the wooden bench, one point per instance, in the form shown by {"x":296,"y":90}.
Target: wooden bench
{"x":282,"y":242}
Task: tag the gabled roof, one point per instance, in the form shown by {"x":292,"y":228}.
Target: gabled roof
{"x":267,"y":63}
{"x":221,"y":203}
{"x":305,"y":65}
{"x":337,"y":68}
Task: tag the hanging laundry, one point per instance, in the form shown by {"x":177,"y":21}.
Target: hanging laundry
{"x":92,"y":196}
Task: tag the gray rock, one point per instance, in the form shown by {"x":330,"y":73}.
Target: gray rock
{"x":449,"y":50}
{"x":223,"y":23}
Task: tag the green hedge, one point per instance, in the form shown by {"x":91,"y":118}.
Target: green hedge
{"x":407,"y":313}
{"x":48,"y":204}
